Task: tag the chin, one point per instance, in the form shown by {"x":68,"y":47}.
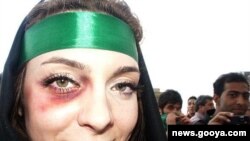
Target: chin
{"x":239,"y":112}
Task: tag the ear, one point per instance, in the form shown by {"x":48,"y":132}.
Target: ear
{"x":216,"y":99}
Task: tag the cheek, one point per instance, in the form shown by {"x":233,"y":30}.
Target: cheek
{"x":125,"y":116}
{"x":225,"y":102}
{"x":44,"y":115}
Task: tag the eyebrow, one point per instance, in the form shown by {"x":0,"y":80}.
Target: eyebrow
{"x":75,"y":64}
{"x":125,"y":69}
{"x":59,"y":60}
{"x":246,"y":92}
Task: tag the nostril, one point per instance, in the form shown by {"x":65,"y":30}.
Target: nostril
{"x":97,"y":116}
{"x":96,"y":125}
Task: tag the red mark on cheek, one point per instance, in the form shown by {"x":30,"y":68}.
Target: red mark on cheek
{"x":44,"y":99}
{"x":51,"y":99}
{"x":43,"y":108}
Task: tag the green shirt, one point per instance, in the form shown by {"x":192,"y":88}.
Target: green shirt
{"x":163,"y":119}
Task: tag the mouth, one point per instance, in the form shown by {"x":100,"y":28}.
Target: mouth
{"x":239,"y":111}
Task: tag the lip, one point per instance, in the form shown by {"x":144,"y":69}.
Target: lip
{"x":238,"y":111}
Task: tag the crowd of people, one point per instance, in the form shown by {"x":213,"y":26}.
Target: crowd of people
{"x":229,"y":102}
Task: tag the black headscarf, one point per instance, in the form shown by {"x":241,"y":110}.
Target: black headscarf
{"x":153,"y":126}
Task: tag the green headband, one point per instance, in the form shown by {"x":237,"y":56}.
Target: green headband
{"x":79,"y":29}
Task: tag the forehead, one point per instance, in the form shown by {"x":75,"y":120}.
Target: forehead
{"x":191,"y":100}
{"x":208,"y":101}
{"x":90,"y":58}
{"x":173,"y":104}
{"x":236,"y":86}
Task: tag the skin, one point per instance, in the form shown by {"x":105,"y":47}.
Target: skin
{"x":91,"y":107}
{"x":248,"y":113}
{"x":208,"y":106}
{"x":191,"y":106}
{"x":233,"y":101}
{"x":248,"y":109}
{"x":174,"y":114}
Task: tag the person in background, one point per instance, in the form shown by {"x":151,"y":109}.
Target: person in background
{"x":75,"y":72}
{"x":248,"y":109}
{"x":170,"y":104}
{"x":203,"y":104}
{"x":231,"y":94}
{"x":191,"y":106}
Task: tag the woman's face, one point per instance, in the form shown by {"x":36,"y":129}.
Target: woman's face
{"x":81,"y":94}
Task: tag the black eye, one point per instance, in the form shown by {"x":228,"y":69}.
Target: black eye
{"x":60,"y":81}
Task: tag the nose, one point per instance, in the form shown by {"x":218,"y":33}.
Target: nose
{"x":96,"y":113}
{"x":192,"y":105}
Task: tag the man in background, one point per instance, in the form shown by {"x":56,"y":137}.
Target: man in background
{"x":203,"y":104}
{"x":170,"y":104}
{"x":191,"y":106}
{"x":231,"y":94}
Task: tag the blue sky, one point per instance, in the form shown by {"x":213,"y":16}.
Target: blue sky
{"x":187,"y":44}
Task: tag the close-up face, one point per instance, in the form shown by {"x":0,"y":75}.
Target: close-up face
{"x":234,"y":98}
{"x":175,"y":108}
{"x":191,"y":106}
{"x":81,"y":94}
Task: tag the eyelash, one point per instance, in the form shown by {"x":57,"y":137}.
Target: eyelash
{"x":122,"y":87}
{"x":58,"y":78}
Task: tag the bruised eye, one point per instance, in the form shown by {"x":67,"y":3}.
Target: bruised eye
{"x":61,"y":83}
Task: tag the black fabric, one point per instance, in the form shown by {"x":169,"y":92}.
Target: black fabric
{"x":7,"y":133}
{"x":0,"y":80}
{"x":154,"y":128}
{"x":153,"y":125}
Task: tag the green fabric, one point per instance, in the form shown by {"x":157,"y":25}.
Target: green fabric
{"x":163,"y":119}
{"x":79,"y":29}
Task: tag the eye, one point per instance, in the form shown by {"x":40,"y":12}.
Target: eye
{"x":170,"y":107}
{"x":233,"y":94}
{"x":124,"y":88}
{"x":246,"y":95}
{"x":61,"y":83}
